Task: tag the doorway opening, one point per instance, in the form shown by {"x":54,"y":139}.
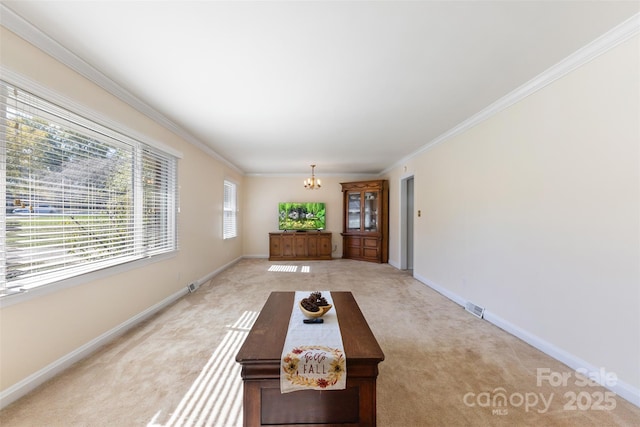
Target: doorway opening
{"x":406,"y":223}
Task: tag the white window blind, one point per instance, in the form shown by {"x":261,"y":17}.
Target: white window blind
{"x":79,"y":196}
{"x":230,"y":210}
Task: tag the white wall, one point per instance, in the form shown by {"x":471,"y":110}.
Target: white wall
{"x":38,"y":332}
{"x":534,"y":214}
{"x":263,"y":193}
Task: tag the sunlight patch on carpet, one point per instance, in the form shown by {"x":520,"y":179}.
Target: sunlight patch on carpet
{"x":215,"y":397}
{"x":289,"y":268}
{"x":284,"y":268}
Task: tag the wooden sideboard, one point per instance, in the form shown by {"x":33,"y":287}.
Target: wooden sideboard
{"x":260,"y":358}
{"x":305,"y":245}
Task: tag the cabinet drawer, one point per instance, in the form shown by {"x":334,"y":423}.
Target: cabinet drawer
{"x":370,"y":243}
{"x":354,"y":242}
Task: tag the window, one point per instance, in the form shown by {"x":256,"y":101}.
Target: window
{"x":79,"y":196}
{"x":230,"y":228}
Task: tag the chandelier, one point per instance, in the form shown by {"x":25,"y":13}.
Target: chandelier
{"x":312,"y":183}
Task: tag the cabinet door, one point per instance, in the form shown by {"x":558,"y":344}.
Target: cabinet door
{"x":324,"y":245}
{"x":370,"y":248}
{"x":275,"y":249}
{"x":371,"y":211}
{"x":312,"y":245}
{"x":287,"y":246}
{"x":354,"y":208}
{"x":300,"y":249}
{"x":352,"y":247}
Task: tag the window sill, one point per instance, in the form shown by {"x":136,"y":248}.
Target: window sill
{"x":17,"y":296}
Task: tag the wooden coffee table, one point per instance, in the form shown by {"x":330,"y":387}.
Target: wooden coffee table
{"x":260,"y":359}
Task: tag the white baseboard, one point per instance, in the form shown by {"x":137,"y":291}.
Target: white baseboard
{"x":217,"y":271}
{"x":452,"y":296}
{"x":267,"y":257}
{"x":28,"y":384}
{"x":620,"y":388}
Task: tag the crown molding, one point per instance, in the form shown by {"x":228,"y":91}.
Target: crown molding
{"x":33,"y":35}
{"x":30,"y":85}
{"x":27,"y":31}
{"x":307,"y":174}
{"x":582,"y":56}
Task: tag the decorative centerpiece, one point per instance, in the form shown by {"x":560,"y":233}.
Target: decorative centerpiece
{"x":315,"y":305}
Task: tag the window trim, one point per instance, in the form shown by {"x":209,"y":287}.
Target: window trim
{"x":63,"y":101}
{"x":29,"y":293}
{"x":234,"y":209}
{"x":10,"y":296}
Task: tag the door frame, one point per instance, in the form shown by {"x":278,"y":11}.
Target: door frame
{"x":406,"y":204}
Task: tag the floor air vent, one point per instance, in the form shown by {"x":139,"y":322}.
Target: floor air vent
{"x":476,"y":310}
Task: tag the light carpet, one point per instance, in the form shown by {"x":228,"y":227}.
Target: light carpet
{"x":443,"y":366}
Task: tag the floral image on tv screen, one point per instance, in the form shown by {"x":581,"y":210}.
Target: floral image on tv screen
{"x":301,"y":216}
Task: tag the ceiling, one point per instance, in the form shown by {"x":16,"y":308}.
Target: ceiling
{"x":352,"y":86}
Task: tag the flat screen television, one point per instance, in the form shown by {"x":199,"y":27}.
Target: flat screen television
{"x":297,"y":216}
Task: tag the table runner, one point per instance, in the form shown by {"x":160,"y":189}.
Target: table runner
{"x":313,"y":355}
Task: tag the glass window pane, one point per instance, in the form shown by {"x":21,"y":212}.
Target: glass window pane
{"x":371,"y":211}
{"x":79,"y":196}
{"x":354,"y":211}
{"x":229,"y":221}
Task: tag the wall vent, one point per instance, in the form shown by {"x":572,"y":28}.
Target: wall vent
{"x":192,"y":287}
{"x":476,"y":310}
